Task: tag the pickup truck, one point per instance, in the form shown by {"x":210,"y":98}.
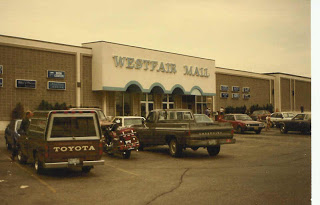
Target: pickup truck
{"x":179,"y":129}
{"x":62,"y":139}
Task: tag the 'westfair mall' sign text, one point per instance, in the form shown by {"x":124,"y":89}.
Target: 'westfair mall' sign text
{"x":131,"y":63}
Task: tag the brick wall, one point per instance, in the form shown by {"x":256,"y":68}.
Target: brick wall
{"x":32,"y":64}
{"x":89,"y":98}
{"x":285,"y":94}
{"x":302,"y":95}
{"x":259,"y":91}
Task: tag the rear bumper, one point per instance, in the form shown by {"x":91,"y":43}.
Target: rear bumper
{"x":66,"y":164}
{"x":209,"y":143}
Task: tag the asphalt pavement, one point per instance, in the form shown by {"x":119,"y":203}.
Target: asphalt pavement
{"x":266,"y":168}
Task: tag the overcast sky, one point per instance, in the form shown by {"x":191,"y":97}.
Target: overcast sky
{"x":252,"y":35}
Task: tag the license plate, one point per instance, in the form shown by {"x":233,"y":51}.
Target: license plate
{"x":74,"y":161}
{"x":212,"y":142}
{"x":128,"y":142}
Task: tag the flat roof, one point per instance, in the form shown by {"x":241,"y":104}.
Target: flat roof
{"x":149,"y":49}
{"x":280,"y":73}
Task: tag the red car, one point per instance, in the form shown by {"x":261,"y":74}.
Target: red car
{"x":242,"y":123}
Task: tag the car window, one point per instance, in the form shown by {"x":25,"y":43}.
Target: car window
{"x":132,"y":121}
{"x":299,"y":117}
{"x":308,"y":117}
{"x":202,"y":118}
{"x":243,"y":117}
{"x":73,"y":127}
{"x":288,"y":115}
{"x":151,"y":117}
{"x":101,"y":115}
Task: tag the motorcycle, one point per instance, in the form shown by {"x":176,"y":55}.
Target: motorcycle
{"x":120,"y":141}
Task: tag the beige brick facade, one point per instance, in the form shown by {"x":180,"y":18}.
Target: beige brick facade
{"x":259,"y":91}
{"x":32,"y":64}
{"x":302,"y":95}
{"x":286,"y":94}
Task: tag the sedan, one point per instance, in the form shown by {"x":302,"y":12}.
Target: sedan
{"x":11,"y":132}
{"x":128,"y":121}
{"x":260,"y":115}
{"x":278,"y":117}
{"x":242,"y":123}
{"x":301,"y":122}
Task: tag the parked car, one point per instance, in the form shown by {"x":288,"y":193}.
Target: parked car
{"x":62,"y":139}
{"x":260,"y":115}
{"x":277,"y":117}
{"x":11,"y":132}
{"x":128,"y":121}
{"x":103,"y":120}
{"x":301,"y":122}
{"x":179,"y":129}
{"x":243,"y":122}
{"x":202,"y":118}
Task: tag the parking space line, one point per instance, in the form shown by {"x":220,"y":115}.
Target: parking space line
{"x":122,"y":170}
{"x":35,"y":176}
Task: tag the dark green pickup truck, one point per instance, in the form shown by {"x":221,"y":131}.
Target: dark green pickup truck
{"x":179,"y":129}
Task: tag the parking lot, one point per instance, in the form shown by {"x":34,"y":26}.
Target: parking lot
{"x":268,"y":168}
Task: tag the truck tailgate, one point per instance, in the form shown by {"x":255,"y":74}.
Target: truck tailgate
{"x":62,"y":151}
{"x":202,"y":131}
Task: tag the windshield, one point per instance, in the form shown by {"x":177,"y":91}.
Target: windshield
{"x":242,"y":117}
{"x":132,"y":121}
{"x":202,"y":118}
{"x":101,"y":115}
{"x":288,"y":115}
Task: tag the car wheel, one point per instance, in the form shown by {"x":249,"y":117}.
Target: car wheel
{"x":126,"y":154}
{"x":21,"y":157}
{"x":213,"y":151}
{"x":38,"y":165}
{"x":258,"y":131}
{"x":283,"y":129}
{"x":86,"y":169}
{"x":174,"y":148}
{"x":240,"y":130}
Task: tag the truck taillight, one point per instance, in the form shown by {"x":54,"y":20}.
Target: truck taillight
{"x":100,"y":148}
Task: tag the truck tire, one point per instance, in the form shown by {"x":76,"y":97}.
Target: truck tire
{"x":174,"y":148}
{"x":8,"y":145}
{"x":213,"y":151}
{"x":38,"y":165}
{"x":22,"y":159}
{"x":86,"y":169}
{"x":283,"y":129}
{"x":258,"y":131}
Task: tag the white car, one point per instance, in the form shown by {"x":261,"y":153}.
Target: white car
{"x":277,"y":117}
{"x":128,"y":121}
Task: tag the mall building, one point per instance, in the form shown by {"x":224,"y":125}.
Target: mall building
{"x":129,"y":80}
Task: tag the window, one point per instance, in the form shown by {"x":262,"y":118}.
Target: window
{"x":202,"y":103}
{"x":123,"y":104}
{"x":168,"y":102}
{"x":146,"y":103}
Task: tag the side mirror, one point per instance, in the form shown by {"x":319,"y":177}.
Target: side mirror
{"x":118,"y":121}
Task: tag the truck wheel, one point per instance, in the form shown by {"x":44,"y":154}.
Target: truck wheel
{"x":38,"y":165}
{"x":86,"y":169}
{"x":141,"y":147}
{"x":174,"y":148}
{"x":126,"y":154}
{"x":258,"y":131}
{"x":213,"y":151}
{"x":240,"y":130}
{"x":21,"y":158}
{"x":283,"y":129}
{"x":8,"y":145}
